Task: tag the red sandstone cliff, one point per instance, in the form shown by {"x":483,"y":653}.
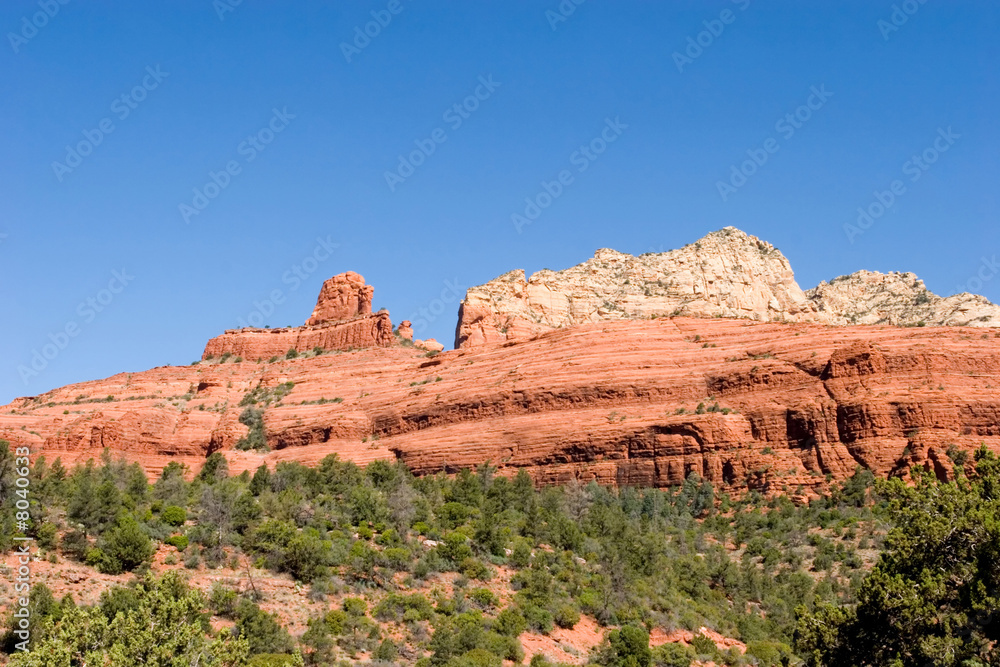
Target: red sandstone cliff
{"x":341,"y":320}
{"x":782,"y":405}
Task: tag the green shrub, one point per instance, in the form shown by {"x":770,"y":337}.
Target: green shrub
{"x":538,"y":619}
{"x":261,"y":630}
{"x":125,"y":547}
{"x":474,"y":569}
{"x":455,"y":547}
{"x":483,"y":597}
{"x":256,"y":438}
{"x":223,"y":600}
{"x":272,"y":660}
{"x":520,"y":556}
{"x":386,"y":651}
{"x":627,"y":647}
{"x":306,"y":556}
{"x":478,"y":657}
{"x":409,"y":608}
{"x":705,"y":646}
{"x":75,"y":544}
{"x":510,"y":622}
{"x":673,"y":655}
{"x":46,"y":535}
{"x":174,"y":515}
{"x":154,"y":616}
{"x":355,"y":606}
{"x":770,"y":653}
{"x":566,"y":616}
{"x":180,"y":542}
{"x":539,"y":660}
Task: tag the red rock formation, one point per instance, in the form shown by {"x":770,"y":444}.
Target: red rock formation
{"x":761,"y":405}
{"x":341,"y":320}
{"x":430,"y":345}
{"x":342,"y":297}
{"x":406,"y":330}
{"x":372,"y":331}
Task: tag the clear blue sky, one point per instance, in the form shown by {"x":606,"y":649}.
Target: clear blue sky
{"x":66,"y":228}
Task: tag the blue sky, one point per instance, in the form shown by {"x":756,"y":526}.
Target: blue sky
{"x":160,"y":98}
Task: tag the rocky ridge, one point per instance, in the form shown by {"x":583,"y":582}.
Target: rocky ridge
{"x":588,"y":374}
{"x":341,"y":320}
{"x":900,"y":299}
{"x":769,"y":406}
{"x":727,"y":273}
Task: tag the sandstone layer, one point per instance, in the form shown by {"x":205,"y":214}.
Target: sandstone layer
{"x":372,"y":331}
{"x":727,"y":273}
{"x":768,"y":406}
{"x":341,"y":320}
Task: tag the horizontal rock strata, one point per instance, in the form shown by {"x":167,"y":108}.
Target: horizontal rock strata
{"x":251,"y":343}
{"x":341,"y":320}
{"x":769,"y":406}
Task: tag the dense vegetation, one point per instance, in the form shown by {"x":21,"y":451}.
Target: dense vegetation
{"x":766,"y":571}
{"x":934,"y":596}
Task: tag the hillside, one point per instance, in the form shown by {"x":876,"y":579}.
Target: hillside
{"x":674,"y":458}
{"x":338,"y":565}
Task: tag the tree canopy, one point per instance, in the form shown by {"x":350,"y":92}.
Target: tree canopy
{"x":933,"y":598}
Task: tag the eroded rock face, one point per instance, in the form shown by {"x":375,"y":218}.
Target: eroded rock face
{"x":725,"y":274}
{"x":342,"y":297}
{"x":371,"y":331}
{"x":341,"y":320}
{"x":768,"y":406}
{"x":869,"y":297}
{"x":565,"y":375}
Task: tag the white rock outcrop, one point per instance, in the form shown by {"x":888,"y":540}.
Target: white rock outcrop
{"x":727,"y":273}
